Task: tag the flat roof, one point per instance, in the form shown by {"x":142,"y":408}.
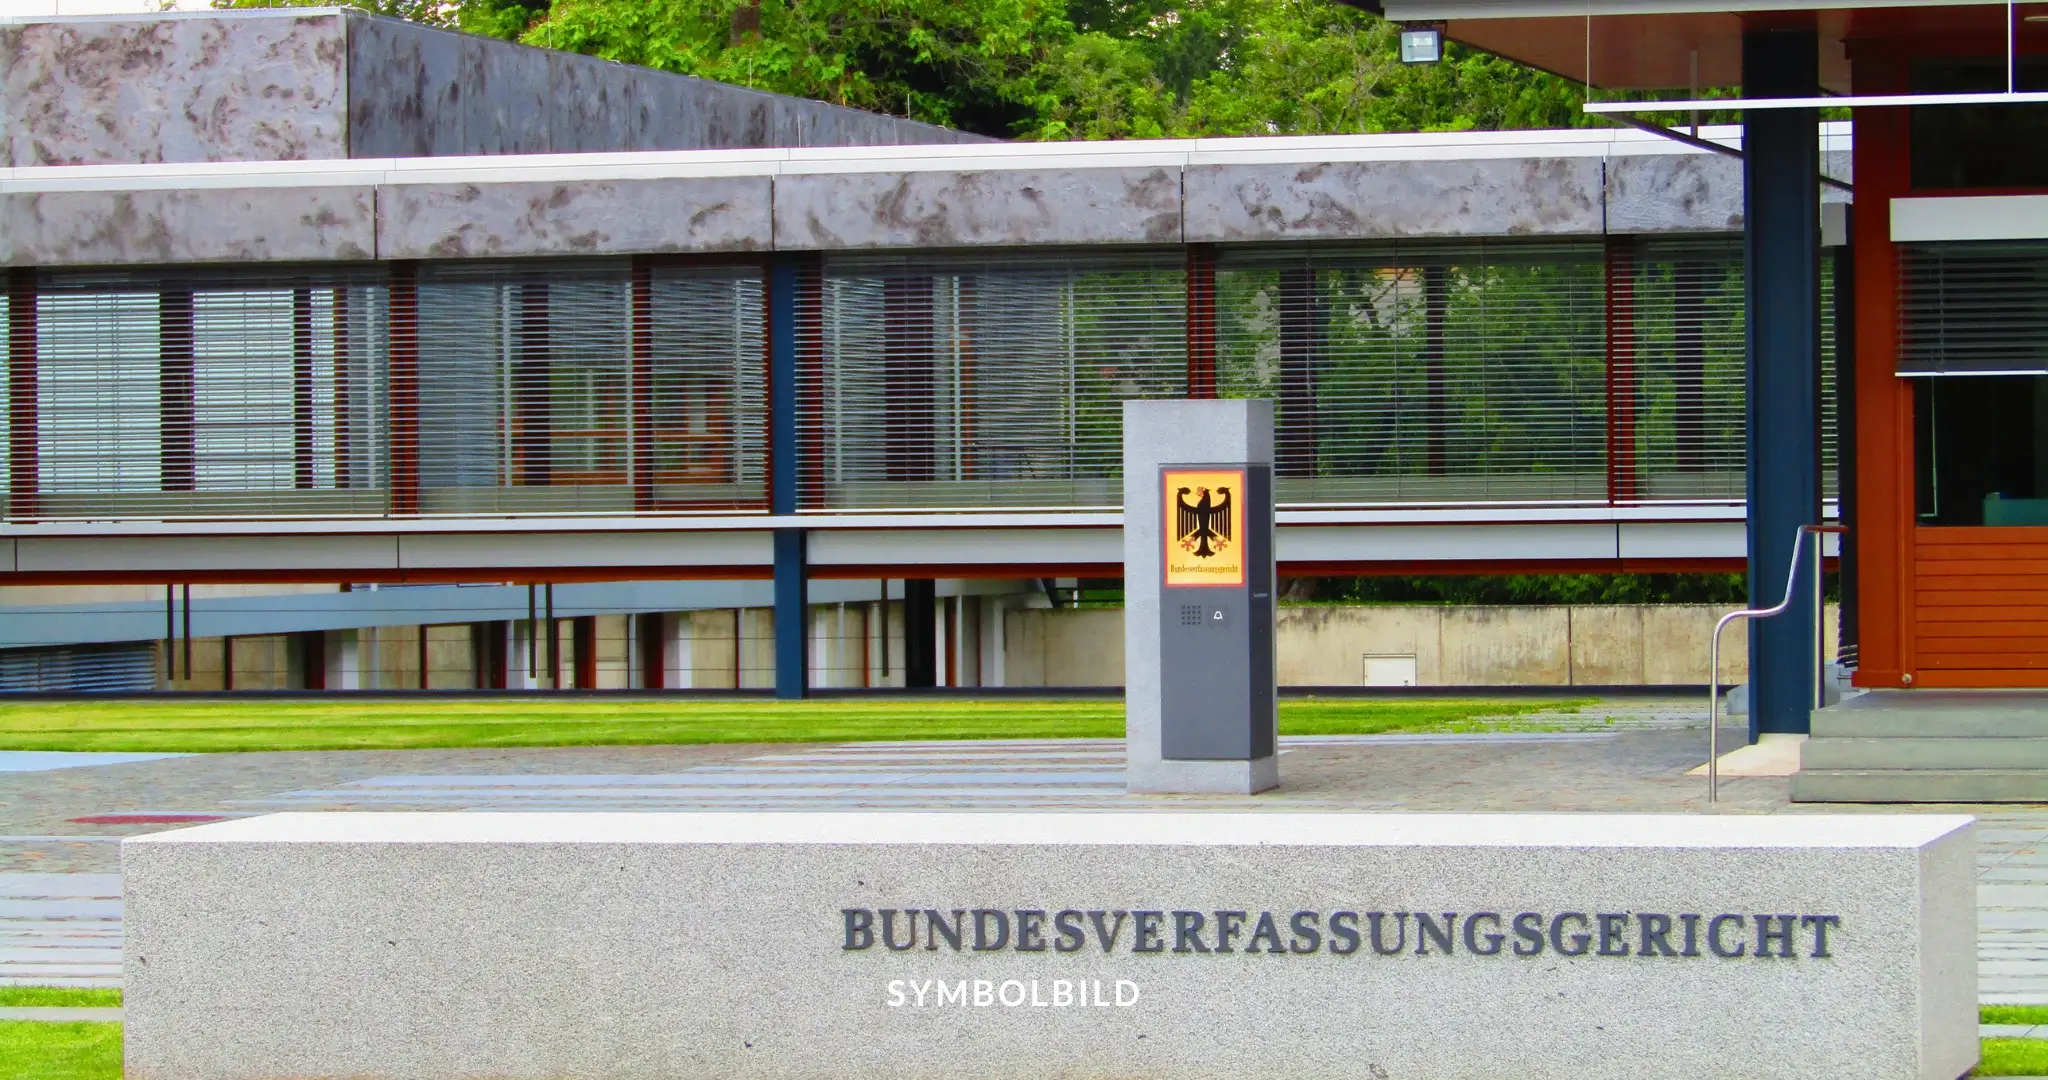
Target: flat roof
{"x":789,"y":161}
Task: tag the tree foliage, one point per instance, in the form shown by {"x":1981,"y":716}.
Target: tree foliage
{"x":1045,"y":69}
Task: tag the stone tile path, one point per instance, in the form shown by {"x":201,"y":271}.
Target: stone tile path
{"x":60,"y":929}
{"x":1005,"y":774}
{"x":61,"y":1015}
{"x":45,"y":760}
{"x":2012,"y":907}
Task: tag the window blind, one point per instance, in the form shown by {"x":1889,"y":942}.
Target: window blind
{"x":998,"y":380}
{"x":1976,"y":308}
{"x":1421,"y":372}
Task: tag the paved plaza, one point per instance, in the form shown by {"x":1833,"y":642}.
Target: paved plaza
{"x":61,"y":817}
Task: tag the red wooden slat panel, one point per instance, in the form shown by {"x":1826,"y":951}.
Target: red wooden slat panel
{"x":1927,"y":553}
{"x":1981,"y":596}
{"x":1964,"y":678}
{"x":1955,"y":624}
{"x":2004,"y":569}
{"x":1979,"y":536}
{"x":1989,"y":662}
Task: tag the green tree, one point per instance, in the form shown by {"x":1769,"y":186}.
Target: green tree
{"x":967,"y":65}
{"x":430,"y":12}
{"x":1045,"y":69}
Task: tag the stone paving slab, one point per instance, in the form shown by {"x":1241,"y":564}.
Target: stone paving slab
{"x":60,"y":1015}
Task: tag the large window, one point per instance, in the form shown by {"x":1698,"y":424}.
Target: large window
{"x":542,"y":386}
{"x":1979,"y":146}
{"x":1982,"y":450}
{"x":212,"y":392}
{"x":535,"y":396}
{"x":1974,"y":338}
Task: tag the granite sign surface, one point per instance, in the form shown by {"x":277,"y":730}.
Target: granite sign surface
{"x":848,"y":946}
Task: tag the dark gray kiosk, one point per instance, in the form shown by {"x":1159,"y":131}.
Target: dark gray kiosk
{"x":1198,"y":597}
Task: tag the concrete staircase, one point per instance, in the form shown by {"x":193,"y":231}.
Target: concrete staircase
{"x":1960,"y":746}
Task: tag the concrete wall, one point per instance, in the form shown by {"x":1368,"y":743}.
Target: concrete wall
{"x":265,"y":87}
{"x":1448,"y":646}
{"x":319,"y":83}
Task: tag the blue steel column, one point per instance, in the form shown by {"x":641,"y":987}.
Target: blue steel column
{"x":1781,"y":205}
{"x":792,"y":637}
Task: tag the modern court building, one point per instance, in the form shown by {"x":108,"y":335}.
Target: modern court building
{"x":330,"y":298}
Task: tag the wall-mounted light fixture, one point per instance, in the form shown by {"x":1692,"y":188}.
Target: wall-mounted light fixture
{"x":1422,"y":44}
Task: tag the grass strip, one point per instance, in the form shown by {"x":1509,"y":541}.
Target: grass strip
{"x":2014,"y":1057}
{"x":2012,"y":1014}
{"x":59,"y":997}
{"x":202,"y":726}
{"x":32,"y":1050}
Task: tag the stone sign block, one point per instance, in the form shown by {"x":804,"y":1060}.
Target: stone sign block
{"x":950,"y":946}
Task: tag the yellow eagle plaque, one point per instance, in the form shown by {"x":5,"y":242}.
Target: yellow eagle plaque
{"x":1204,"y":526}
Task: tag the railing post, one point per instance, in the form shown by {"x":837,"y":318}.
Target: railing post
{"x":1819,"y":655}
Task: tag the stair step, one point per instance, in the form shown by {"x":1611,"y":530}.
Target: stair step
{"x":1890,"y":714}
{"x":1920,"y":785}
{"x":1898,"y":723}
{"x":1924,"y":752}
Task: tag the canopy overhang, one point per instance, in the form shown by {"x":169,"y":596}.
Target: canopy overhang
{"x":1679,"y":44}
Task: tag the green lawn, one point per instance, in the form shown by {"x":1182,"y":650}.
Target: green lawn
{"x":2012,"y":1014}
{"x":54,"y":997}
{"x":2014,"y":1057}
{"x":31,"y":1050}
{"x":171,"y":726}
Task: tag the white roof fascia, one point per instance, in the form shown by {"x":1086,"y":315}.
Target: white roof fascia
{"x":163,"y":16}
{"x":1527,"y":514}
{"x":1969,"y":217}
{"x":694,"y":164}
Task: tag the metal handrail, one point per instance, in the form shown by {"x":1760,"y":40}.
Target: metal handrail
{"x":1782,"y":606}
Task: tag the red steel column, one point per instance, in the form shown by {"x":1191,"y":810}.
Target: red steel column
{"x":643,"y":386}
{"x":1621,"y":370}
{"x":583,"y":630}
{"x":302,"y":388}
{"x":1300,"y":350}
{"x":1201,"y":300}
{"x":405,"y":388}
{"x":22,"y":443}
{"x":533,"y":390}
{"x":1436,"y":305}
{"x":178,"y":444}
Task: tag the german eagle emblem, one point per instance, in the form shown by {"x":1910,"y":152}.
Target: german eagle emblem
{"x":1203,"y":527}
